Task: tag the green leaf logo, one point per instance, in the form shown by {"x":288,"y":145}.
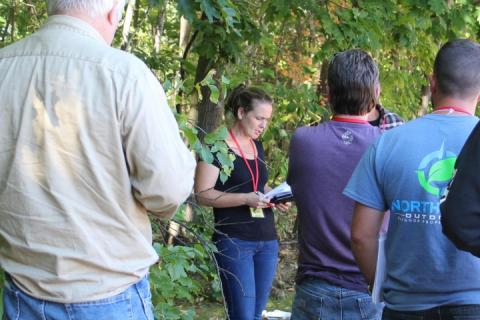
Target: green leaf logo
{"x":436,"y":170}
{"x":442,"y":170}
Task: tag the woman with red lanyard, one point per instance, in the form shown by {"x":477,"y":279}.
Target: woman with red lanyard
{"x":245,"y":229}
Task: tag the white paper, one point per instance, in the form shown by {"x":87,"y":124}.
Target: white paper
{"x":380,"y":271}
{"x":276,"y":314}
{"x":282,"y":188}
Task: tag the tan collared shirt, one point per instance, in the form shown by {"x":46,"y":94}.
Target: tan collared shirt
{"x":88,"y":146}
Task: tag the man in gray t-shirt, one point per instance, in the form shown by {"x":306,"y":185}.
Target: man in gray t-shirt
{"x":407,"y":171}
{"x":322,"y":159}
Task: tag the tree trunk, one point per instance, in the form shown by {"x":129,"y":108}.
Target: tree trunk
{"x":5,"y":30}
{"x":13,"y":19}
{"x":185,"y":42}
{"x":133,"y":41}
{"x":322,"y":87}
{"x":162,"y":12}
{"x":209,"y":116}
{"x":31,"y":10}
{"x":209,"y":113}
{"x":126,"y":26}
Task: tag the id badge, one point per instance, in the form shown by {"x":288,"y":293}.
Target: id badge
{"x":257,"y":213}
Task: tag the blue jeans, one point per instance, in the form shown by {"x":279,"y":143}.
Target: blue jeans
{"x":458,"y":312}
{"x":133,"y":304}
{"x":247,"y":272}
{"x":318,"y":299}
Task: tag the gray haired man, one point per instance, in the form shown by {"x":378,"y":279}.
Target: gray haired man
{"x":88,"y":146}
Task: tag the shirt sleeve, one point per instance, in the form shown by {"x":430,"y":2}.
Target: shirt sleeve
{"x":364,"y":186}
{"x":461,"y":207}
{"x":160,"y":165}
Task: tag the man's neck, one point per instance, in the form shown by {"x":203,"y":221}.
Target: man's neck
{"x":373,"y":115}
{"x":100,"y":24}
{"x":466,"y":105}
{"x":350,"y":116}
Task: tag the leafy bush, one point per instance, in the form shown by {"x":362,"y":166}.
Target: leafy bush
{"x":184,"y":275}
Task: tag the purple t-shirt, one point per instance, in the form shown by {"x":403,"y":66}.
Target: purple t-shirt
{"x":322,"y":159}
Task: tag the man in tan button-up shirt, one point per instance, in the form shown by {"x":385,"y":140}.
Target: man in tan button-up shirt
{"x":88,"y":147}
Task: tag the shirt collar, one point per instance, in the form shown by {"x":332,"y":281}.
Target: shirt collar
{"x":73,"y":23}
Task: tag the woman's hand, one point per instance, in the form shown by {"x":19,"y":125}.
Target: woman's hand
{"x":257,"y":200}
{"x":283,"y":206}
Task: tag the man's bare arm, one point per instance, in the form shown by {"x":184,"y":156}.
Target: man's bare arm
{"x":366,"y":225}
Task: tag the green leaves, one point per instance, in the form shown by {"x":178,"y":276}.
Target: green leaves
{"x":216,"y":141}
{"x":209,"y":9}
{"x":187,"y":9}
{"x":214,"y":146}
{"x":214,"y":93}
{"x":178,"y":277}
{"x":217,"y":135}
{"x":438,"y":6}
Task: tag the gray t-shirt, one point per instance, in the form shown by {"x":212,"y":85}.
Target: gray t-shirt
{"x":406,"y":171}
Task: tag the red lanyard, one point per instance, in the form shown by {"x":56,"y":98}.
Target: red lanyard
{"x":349,"y":120}
{"x":254,"y":177}
{"x":454,"y":109}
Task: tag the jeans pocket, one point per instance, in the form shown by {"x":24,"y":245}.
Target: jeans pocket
{"x":368,"y":309}
{"x":147,"y":306}
{"x":145,"y":295}
{"x":306,"y":306}
{"x":11,"y":302}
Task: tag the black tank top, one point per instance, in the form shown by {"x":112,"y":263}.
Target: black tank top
{"x":237,"y":222}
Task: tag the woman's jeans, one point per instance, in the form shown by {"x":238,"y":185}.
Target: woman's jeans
{"x":247,"y":272}
{"x":459,"y":312}
{"x":135,"y":303}
{"x":318,"y":299}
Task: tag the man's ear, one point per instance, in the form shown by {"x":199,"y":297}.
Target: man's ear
{"x":113,"y":15}
{"x":378,"y":90}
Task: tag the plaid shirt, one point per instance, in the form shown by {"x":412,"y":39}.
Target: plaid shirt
{"x":388,"y":119}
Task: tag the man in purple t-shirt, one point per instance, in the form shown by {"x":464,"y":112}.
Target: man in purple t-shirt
{"x":322,"y":159}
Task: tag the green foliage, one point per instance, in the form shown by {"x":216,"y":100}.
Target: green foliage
{"x":222,"y":26}
{"x":184,"y":274}
{"x":214,"y":146}
{"x":19,"y":18}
